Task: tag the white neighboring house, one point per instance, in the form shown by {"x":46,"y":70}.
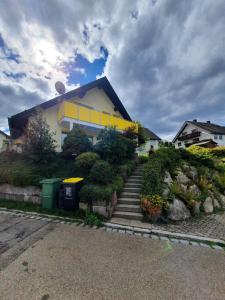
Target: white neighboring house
{"x":152,"y":142}
{"x":3,"y":141}
{"x":204,"y":134}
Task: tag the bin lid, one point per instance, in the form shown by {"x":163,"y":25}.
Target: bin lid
{"x":73,"y":180}
{"x":50,"y":180}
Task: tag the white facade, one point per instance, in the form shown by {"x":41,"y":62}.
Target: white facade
{"x":204,"y":135}
{"x":3,"y":141}
{"x":149,"y":145}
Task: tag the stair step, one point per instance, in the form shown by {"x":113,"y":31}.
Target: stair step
{"x":128,"y":215}
{"x":130,"y":195}
{"x":131,"y":189}
{"x":135,"y":177}
{"x":131,"y":181}
{"x":128,"y":208}
{"x":132,"y":185}
{"x":130,"y":201}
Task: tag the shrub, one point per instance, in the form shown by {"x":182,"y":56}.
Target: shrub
{"x":118,"y":184}
{"x":101,"y":173}
{"x":142,"y":159}
{"x":92,"y":219}
{"x":85,"y":161}
{"x":152,"y":201}
{"x":152,"y":178}
{"x":90,"y":193}
{"x":76,"y":143}
{"x":114,"y":147}
{"x":126,"y":169}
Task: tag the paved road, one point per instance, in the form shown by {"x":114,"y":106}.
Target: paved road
{"x":17,"y":234}
{"x":80,"y":263}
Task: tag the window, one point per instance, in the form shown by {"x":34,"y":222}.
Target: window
{"x":63,"y":136}
{"x":220,"y":137}
{"x":196,"y":140}
{"x":179,"y":144}
{"x":194,"y":130}
{"x":152,"y":147}
{"x":215,"y":137}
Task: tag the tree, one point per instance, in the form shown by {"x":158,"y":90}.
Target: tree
{"x":141,"y":134}
{"x":76,"y":143}
{"x":39,"y":141}
{"x":113,"y":146}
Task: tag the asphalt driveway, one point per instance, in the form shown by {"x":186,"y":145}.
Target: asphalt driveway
{"x":71,"y":262}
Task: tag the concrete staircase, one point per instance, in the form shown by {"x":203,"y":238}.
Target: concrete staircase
{"x":128,"y":206}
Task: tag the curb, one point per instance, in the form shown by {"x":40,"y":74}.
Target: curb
{"x":176,"y":238}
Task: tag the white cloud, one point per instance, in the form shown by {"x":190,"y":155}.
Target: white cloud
{"x":166,"y":58}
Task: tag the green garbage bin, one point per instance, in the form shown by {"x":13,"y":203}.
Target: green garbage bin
{"x":50,"y":190}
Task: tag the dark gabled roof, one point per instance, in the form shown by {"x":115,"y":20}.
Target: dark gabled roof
{"x":151,"y":135}
{"x":5,"y":134}
{"x":100,"y":83}
{"x":212,"y":128}
{"x":208,"y":126}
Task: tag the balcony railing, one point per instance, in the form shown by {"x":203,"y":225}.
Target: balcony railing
{"x":90,"y":116}
{"x":189,"y":136}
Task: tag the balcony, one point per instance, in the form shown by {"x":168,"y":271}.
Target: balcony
{"x":189,"y":136}
{"x":78,"y":114}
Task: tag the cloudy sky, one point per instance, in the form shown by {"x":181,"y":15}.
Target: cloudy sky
{"x":164,"y":58}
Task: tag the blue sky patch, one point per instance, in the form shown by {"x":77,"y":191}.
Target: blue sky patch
{"x":8,"y":52}
{"x":88,"y":71}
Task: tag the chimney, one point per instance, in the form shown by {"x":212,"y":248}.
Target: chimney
{"x":208,"y":122}
{"x":195,"y":120}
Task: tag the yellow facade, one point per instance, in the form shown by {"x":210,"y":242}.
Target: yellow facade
{"x":95,"y":108}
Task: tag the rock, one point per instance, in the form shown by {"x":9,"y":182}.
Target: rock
{"x":183,"y":187}
{"x":216,"y":204}
{"x":167,"y":178}
{"x":178,"y":211}
{"x":193,"y":172}
{"x":222,"y":200}
{"x":195,"y":190}
{"x":208,"y":205}
{"x":196,"y":208}
{"x":182,"y":178}
{"x":166,"y":192}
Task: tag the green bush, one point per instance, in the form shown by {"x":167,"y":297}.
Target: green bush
{"x":118,"y":184}
{"x":142,"y":159}
{"x":114,"y":147}
{"x":101,"y":173}
{"x":90,"y":193}
{"x":152,"y":178}
{"x":126,"y":168}
{"x":92,"y":219}
{"x":85,"y":161}
{"x":76,"y":143}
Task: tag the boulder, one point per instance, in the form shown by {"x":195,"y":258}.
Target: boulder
{"x":222,"y":200}
{"x":195,"y":190}
{"x":193,"y":173}
{"x":178,"y":211}
{"x":196,"y":208}
{"x":167,"y":178}
{"x":208,"y":205}
{"x":166,"y":192}
{"x":182,"y":178}
{"x":216,"y":204}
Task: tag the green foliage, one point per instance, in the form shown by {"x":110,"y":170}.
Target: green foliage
{"x":148,"y":202}
{"x":204,"y":184}
{"x":152,"y":178}
{"x":186,"y":196}
{"x":141,"y":135}
{"x":118,"y":184}
{"x":126,"y":168}
{"x":219,"y":180}
{"x":93,"y":192}
{"x":207,"y":152}
{"x":85,"y":161}
{"x":93,"y":219}
{"x":39,"y":145}
{"x":131,"y":133}
{"x":142,"y":159}
{"x":101,"y":173}
{"x":114,"y":147}
{"x":76,"y":143}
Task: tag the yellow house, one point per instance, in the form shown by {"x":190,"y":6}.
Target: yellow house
{"x":3,"y":140}
{"x":93,"y":106}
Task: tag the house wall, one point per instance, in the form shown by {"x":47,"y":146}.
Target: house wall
{"x":95,"y":98}
{"x":149,"y":145}
{"x":204,"y":136}
{"x":2,"y":140}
